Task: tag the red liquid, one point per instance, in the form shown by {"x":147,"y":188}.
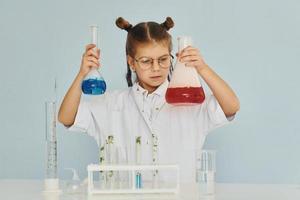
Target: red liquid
{"x":182,"y":95}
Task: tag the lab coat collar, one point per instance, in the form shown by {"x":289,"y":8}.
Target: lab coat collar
{"x":160,"y":91}
{"x":137,"y":90}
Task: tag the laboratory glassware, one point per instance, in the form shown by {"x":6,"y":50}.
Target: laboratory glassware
{"x":112,"y":158}
{"x":51,"y":178}
{"x":124,"y":177}
{"x":138,"y":157}
{"x":205,"y":171}
{"x":155,"y":160}
{"x":94,"y":83}
{"x":73,"y":185}
{"x":102,"y":161}
{"x":184,"y":87}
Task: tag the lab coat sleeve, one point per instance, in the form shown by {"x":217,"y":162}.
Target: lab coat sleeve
{"x":211,"y":115}
{"x":83,"y":120}
{"x":92,"y":116}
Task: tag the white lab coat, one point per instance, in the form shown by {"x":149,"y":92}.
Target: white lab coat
{"x":133,"y":112}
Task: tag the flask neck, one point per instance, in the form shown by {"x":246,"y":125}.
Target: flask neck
{"x":183,"y":42}
{"x":94,"y":35}
{"x":94,"y":73}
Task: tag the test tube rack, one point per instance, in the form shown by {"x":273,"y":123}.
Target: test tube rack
{"x":91,"y":168}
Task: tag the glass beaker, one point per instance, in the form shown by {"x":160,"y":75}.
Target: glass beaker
{"x":93,"y":83}
{"x":205,"y":171}
{"x":184,"y":87}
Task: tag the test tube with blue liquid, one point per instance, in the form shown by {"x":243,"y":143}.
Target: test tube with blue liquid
{"x":93,"y":83}
{"x":138,"y":174}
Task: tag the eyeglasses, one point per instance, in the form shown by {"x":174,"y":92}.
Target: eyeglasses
{"x":146,"y":62}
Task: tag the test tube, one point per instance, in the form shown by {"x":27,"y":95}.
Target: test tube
{"x":102,"y":177}
{"x":154,"y":160}
{"x":123,"y":177}
{"x":112,"y":157}
{"x":51,"y":179}
{"x":138,"y":151}
{"x":205,"y":171}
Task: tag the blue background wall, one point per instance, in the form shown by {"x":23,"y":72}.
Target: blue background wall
{"x":252,"y":44}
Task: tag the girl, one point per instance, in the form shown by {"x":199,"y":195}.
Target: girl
{"x":168,"y":134}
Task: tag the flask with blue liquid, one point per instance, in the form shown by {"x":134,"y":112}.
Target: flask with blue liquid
{"x":93,"y":83}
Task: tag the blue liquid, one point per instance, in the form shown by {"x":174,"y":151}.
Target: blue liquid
{"x":93,"y":86}
{"x":138,"y":180}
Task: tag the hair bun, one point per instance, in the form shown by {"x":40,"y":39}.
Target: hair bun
{"x":168,"y":24}
{"x":123,"y":24}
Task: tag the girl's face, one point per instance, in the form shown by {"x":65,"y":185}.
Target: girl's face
{"x":151,"y":64}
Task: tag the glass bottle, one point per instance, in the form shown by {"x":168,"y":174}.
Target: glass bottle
{"x":93,"y":83}
{"x":184,"y":87}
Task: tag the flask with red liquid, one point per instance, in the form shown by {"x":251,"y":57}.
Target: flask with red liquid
{"x":184,"y":87}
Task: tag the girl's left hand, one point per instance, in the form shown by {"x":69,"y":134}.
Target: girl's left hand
{"x":191,"y":57}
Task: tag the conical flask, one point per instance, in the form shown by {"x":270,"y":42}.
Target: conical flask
{"x":93,"y":83}
{"x":184,"y":87}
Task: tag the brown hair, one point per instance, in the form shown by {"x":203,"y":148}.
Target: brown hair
{"x":143,"y":33}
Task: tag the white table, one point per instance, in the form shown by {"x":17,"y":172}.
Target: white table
{"x":33,"y":190}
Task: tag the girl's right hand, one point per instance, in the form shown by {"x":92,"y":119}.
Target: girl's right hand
{"x":90,"y":59}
